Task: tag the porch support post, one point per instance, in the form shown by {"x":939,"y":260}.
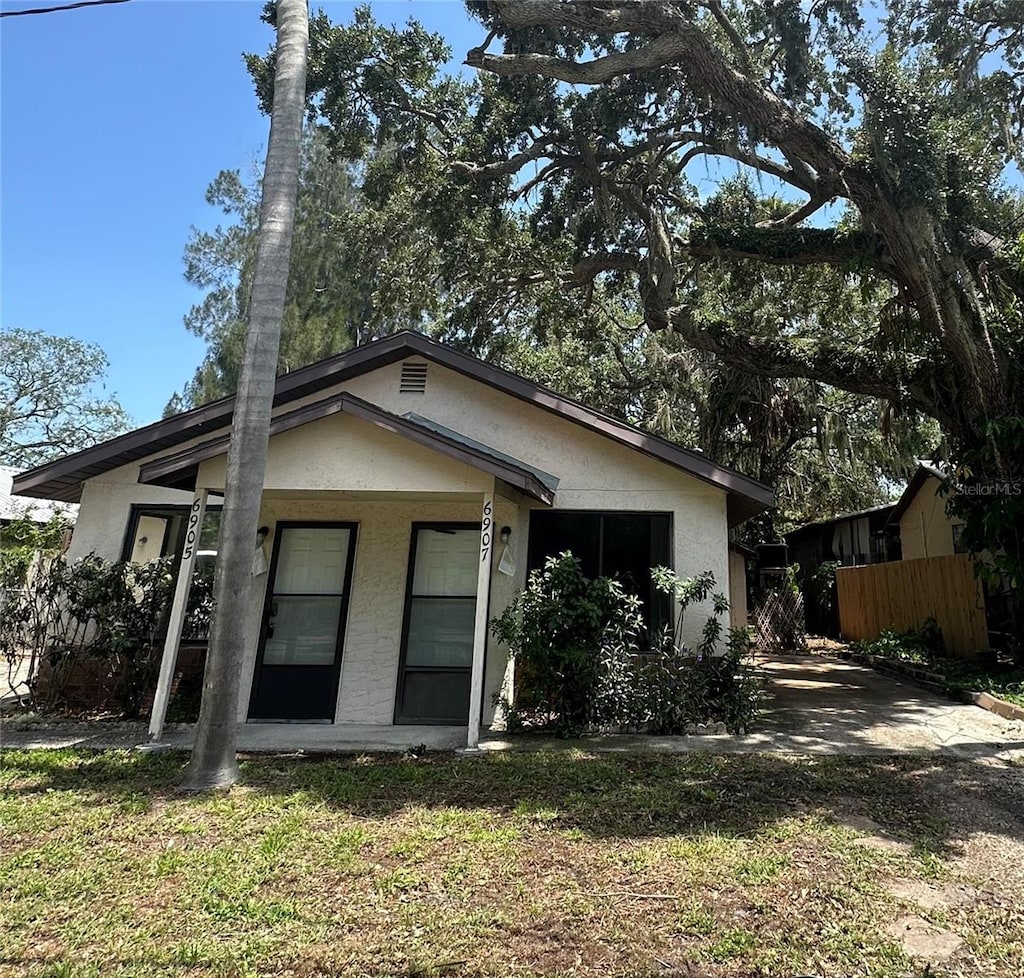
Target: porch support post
{"x":177,"y":619}
{"x":483,"y":590}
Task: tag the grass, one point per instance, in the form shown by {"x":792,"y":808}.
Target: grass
{"x":512,"y":865}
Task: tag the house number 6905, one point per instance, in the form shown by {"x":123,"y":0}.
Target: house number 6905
{"x":193,"y":530}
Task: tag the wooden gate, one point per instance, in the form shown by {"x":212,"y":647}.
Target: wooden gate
{"x":903,"y":594}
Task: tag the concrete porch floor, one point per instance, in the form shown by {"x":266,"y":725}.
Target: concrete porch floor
{"x":333,"y":737}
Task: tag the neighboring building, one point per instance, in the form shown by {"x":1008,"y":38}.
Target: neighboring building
{"x":850,"y":539}
{"x":383,"y":464}
{"x":739,"y":585}
{"x":925,"y":528}
{"x":15,"y":507}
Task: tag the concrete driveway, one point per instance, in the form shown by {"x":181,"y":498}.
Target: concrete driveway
{"x":826,"y":705}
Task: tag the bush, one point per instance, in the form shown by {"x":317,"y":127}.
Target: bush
{"x":560,"y":630}
{"x":575,"y":643}
{"x":922,"y":646}
{"x":683,"y":688}
{"x":89,"y":610}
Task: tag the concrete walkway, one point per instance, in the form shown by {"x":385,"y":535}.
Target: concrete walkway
{"x":816,"y":705}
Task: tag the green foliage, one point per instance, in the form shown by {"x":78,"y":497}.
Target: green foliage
{"x":921,"y":646}
{"x":683,"y":689}
{"x":998,"y":675}
{"x":580,"y":668}
{"x":993,"y":511}
{"x":23,"y":540}
{"x":394,"y":142}
{"x":329,"y":303}
{"x":50,"y":397}
{"x":68,"y":613}
{"x":559,"y":629}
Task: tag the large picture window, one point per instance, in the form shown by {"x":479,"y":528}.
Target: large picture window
{"x":624,"y":546}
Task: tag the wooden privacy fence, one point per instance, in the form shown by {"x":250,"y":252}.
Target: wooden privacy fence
{"x":904,"y":594}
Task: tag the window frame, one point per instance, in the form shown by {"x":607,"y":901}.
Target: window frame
{"x":137,"y":510}
{"x":661,"y":618}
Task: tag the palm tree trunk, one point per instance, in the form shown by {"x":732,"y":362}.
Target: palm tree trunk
{"x":213,"y":762}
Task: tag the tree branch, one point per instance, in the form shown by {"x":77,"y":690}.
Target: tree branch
{"x":839,"y":366}
{"x":682,"y":44}
{"x":785,"y":246}
{"x":503,"y":168}
{"x":796,"y":216}
{"x":738,"y":47}
{"x":662,"y":51}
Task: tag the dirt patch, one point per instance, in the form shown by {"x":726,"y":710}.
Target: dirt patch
{"x":925,"y":941}
{"x":933,"y":897}
{"x":874,"y":836}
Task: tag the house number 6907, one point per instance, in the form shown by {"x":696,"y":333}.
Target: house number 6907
{"x":485,"y":531}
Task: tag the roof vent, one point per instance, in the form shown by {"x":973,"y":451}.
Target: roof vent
{"x":414,"y":378}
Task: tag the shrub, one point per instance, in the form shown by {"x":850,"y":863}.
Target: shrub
{"x":575,"y":643}
{"x":90,"y":609}
{"x":560,"y":630}
{"x":683,"y":688}
{"x":922,"y":646}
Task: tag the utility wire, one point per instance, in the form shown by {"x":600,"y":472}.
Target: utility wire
{"x":53,"y":10}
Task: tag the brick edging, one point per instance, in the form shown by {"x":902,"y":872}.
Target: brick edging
{"x":933,"y":682}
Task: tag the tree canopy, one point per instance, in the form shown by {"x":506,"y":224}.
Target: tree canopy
{"x":778,"y":233}
{"x":51,"y":399}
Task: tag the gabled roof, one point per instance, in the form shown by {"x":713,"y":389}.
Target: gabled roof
{"x":179,"y":471}
{"x":63,"y":479}
{"x":917,"y":482}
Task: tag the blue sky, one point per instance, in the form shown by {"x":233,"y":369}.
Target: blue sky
{"x":113,"y":121}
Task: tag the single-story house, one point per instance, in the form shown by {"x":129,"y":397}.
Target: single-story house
{"x":409,"y":489}
{"x":925,"y":528}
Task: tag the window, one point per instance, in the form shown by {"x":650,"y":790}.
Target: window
{"x":159,"y":531}
{"x":621,"y":545}
{"x":440,"y":618}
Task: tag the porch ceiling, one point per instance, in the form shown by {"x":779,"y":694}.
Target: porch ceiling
{"x":179,"y":471}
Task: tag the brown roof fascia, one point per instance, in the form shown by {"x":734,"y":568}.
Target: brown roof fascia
{"x":72,"y":470}
{"x":180,"y":469}
{"x":747,"y":496}
{"x":659,"y":448}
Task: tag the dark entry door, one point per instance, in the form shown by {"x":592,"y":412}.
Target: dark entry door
{"x":303,"y":624}
{"x":440,"y":609}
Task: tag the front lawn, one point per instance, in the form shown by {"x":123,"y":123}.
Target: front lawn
{"x":516,"y":864}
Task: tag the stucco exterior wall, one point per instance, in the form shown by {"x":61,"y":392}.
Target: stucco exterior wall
{"x":343,"y":451}
{"x":737,"y":589}
{"x":594,"y":472}
{"x":925,"y":529}
{"x":105,"y":506}
{"x":373,"y":631}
